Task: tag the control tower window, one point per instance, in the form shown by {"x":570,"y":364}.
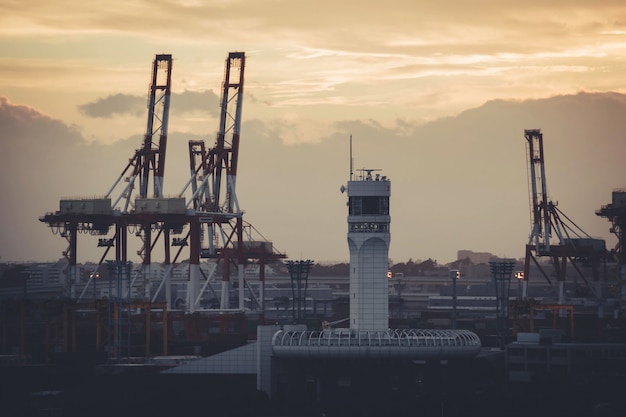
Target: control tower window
{"x":355,"y":206}
{"x":368,"y":205}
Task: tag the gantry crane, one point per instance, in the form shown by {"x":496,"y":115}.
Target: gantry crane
{"x":552,"y":233}
{"x":210,"y":213}
{"x":221,"y":231}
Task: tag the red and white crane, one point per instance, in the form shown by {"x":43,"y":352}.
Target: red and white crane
{"x":220,"y":232}
{"x":207,"y":207}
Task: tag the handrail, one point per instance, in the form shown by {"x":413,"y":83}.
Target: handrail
{"x":406,"y":343}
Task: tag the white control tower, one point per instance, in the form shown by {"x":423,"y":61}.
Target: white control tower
{"x":368,"y":241}
{"x":369,"y":335}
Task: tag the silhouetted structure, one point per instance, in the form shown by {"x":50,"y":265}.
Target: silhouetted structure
{"x":299,"y":274}
{"x":501,"y":271}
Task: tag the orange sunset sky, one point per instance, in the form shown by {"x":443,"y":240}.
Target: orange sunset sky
{"x":435,"y":93}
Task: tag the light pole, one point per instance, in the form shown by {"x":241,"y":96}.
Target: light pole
{"x":454,"y":274}
{"x":501,"y":272}
{"x":521,"y":285}
{"x":299,"y":272}
{"x":95,"y":276}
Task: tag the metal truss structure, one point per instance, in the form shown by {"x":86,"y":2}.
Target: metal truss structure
{"x":203,"y":221}
{"x":553,"y":234}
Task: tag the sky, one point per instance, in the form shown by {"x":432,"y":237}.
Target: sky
{"x":435,"y":93}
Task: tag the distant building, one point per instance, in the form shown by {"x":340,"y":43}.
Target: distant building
{"x":475,"y":257}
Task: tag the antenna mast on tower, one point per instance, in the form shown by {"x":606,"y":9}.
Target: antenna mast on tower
{"x":351,"y":160}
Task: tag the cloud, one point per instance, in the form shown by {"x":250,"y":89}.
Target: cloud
{"x":195,"y":101}
{"x":126,"y":104}
{"x":25,"y":125}
{"x":112,"y":105}
{"x":35,"y":154}
{"x":311,"y":56}
{"x":457,"y":183}
{"x":322,"y":23}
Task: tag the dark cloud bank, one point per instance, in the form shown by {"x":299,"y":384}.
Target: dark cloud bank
{"x":126,"y":104}
{"x":457,"y":183}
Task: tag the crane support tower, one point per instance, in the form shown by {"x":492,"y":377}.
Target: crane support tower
{"x":553,"y":234}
